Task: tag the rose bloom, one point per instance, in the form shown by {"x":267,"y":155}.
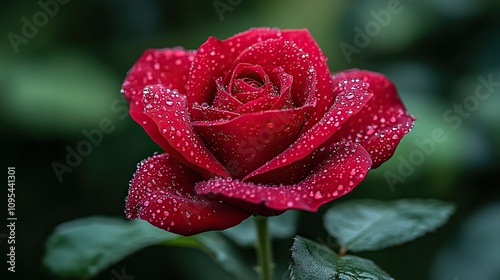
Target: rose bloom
{"x":254,"y":125}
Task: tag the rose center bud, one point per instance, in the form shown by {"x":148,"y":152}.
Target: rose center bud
{"x":248,"y":82}
{"x":251,"y":82}
{"x":251,"y":119}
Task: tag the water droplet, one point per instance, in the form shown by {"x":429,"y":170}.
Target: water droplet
{"x":146,"y":203}
{"x":318,"y":195}
{"x":169,"y":102}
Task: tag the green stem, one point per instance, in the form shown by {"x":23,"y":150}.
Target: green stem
{"x":263,"y":247}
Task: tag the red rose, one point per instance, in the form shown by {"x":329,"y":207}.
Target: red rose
{"x":254,"y":124}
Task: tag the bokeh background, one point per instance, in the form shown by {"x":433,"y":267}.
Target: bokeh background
{"x":66,"y":78}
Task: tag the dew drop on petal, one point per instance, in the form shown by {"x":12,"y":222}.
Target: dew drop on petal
{"x":318,"y":195}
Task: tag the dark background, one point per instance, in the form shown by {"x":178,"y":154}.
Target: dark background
{"x":66,"y":78}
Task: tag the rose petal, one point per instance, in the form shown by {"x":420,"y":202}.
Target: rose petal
{"x":249,"y":96}
{"x":284,"y":82}
{"x":381,"y":124}
{"x":324,"y":87}
{"x":277,"y":77}
{"x":214,"y":57}
{"x":167,"y":108}
{"x":352,"y":95}
{"x":169,"y":67}
{"x":238,"y":86}
{"x":248,"y":141}
{"x":342,"y":168}
{"x":223,"y":99}
{"x":208,"y":113}
{"x":293,"y":61}
{"x":260,"y":104}
{"x":288,"y":174}
{"x":162,"y":193}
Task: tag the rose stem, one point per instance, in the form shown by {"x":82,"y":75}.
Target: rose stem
{"x":263,"y":247}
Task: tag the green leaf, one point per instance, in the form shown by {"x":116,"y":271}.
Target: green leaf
{"x":226,"y":255}
{"x":282,"y":227}
{"x":311,"y":260}
{"x":220,"y":250}
{"x":82,"y":248}
{"x":365,"y":225}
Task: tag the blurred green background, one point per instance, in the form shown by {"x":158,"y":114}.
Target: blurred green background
{"x":63,"y":79}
